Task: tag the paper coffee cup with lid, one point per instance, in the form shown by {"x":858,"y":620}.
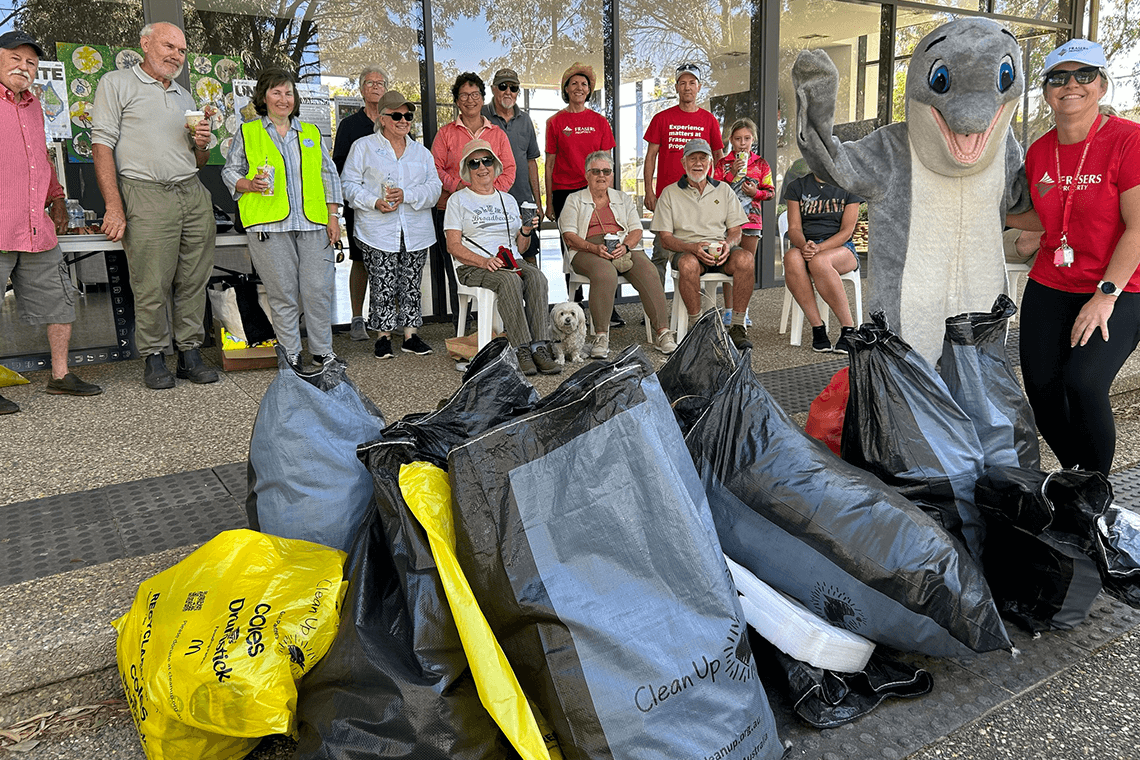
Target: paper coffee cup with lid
{"x":611,"y":241}
{"x":192,"y":119}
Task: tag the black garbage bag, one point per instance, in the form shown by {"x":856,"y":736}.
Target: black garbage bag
{"x":305,"y":480}
{"x":976,"y":370}
{"x":827,"y":698}
{"x":903,"y":426}
{"x":583,"y":531}
{"x":833,"y":536}
{"x":1042,"y":543}
{"x":702,"y":362}
{"x":396,"y":682}
{"x":1118,"y":537}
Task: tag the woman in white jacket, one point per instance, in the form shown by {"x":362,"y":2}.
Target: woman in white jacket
{"x":392,"y":184}
{"x":588,"y":216}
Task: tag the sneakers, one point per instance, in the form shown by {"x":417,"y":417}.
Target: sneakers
{"x":322,"y":359}
{"x":359,"y":330}
{"x":666,"y":342}
{"x":155,"y":374}
{"x":415,"y":345}
{"x":543,"y":358}
{"x":739,"y":337}
{"x":383,"y":349}
{"x":820,"y":343}
{"x":601,"y":346}
{"x":190,"y":367}
{"x":526,"y":361}
{"x":8,"y":406}
{"x":70,"y":385}
{"x":843,"y":346}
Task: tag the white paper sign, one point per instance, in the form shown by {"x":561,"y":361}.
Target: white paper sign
{"x":51,"y":89}
{"x":315,"y":105}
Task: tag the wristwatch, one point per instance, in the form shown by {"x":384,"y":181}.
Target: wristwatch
{"x":1109,"y":288}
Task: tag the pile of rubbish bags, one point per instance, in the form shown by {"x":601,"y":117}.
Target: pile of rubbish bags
{"x":609,"y":570}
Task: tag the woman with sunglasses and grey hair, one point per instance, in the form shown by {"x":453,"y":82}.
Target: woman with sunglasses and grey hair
{"x":1080,"y":316}
{"x":392,"y":183}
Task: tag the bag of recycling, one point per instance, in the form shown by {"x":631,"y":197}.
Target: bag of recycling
{"x":825,"y":418}
{"x":583,"y":531}
{"x":397,"y":682}
{"x":812,"y":525}
{"x":1042,"y":543}
{"x":978,"y":375}
{"x":305,"y":480}
{"x":212,"y":648}
{"x":1118,"y":537}
{"x":700,"y":365}
{"x":903,"y":426}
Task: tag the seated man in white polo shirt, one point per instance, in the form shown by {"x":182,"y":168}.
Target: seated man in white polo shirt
{"x":698,"y":222}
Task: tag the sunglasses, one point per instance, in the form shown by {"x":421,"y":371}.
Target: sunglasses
{"x":474,"y":163}
{"x":398,"y":115}
{"x":503,"y":87}
{"x":1083,"y":75}
{"x":603,"y":172}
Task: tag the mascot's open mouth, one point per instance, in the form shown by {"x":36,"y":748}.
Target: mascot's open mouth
{"x":966,"y":149}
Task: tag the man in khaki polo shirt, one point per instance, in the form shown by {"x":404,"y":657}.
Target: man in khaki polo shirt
{"x":697,"y":220}
{"x":146,"y":163}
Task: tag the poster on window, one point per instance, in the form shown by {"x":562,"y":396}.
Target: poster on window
{"x":51,"y":89}
{"x":211,"y":82}
{"x":316,"y":106}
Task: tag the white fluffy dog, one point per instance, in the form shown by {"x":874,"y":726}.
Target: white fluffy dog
{"x":569,"y":324}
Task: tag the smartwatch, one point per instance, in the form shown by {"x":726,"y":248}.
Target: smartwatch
{"x":1109,"y":288}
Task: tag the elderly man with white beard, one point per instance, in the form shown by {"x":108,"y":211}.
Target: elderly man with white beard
{"x":29,"y":251}
{"x":146,"y":163}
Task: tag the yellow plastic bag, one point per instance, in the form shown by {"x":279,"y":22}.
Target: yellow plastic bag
{"x":428,"y":494}
{"x":11,"y":377}
{"x":210,"y":651}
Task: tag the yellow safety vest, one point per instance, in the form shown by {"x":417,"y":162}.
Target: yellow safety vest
{"x":256,"y":208}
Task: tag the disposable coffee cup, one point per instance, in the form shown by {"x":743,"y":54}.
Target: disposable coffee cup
{"x":527,"y":212}
{"x":715,"y":250}
{"x":267,"y":170}
{"x":192,"y":119}
{"x":611,"y":241}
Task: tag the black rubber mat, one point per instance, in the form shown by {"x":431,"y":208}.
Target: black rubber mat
{"x":796,"y":387}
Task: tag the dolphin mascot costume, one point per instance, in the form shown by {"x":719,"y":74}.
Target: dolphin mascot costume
{"x":938,"y":186}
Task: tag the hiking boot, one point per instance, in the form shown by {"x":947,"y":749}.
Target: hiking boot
{"x":415,"y":345}
{"x":191,"y":367}
{"x":383,"y":349}
{"x":843,"y":345}
{"x":526,"y":361}
{"x":601,"y":346}
{"x":8,"y":406}
{"x":666,"y":342}
{"x":155,"y":374}
{"x":70,"y":385}
{"x":739,"y":337}
{"x":359,"y":330}
{"x":543,"y":358}
{"x":820,"y":343}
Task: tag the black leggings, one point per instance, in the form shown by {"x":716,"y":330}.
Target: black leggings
{"x":1068,"y":387}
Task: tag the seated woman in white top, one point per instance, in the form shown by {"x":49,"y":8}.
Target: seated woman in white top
{"x":484,"y":236}
{"x":392,"y":184}
{"x":588,"y":216}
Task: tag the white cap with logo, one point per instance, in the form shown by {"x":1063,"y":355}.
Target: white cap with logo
{"x":1076,"y":51}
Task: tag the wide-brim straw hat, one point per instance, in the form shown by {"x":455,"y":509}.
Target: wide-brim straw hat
{"x":575,"y":69}
{"x":474,"y":147}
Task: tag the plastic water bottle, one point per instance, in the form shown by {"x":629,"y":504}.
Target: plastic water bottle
{"x":75,"y":214}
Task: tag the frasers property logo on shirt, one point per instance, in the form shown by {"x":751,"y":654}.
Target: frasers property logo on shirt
{"x":580,"y":130}
{"x":679,"y":134}
{"x":1067,"y":182}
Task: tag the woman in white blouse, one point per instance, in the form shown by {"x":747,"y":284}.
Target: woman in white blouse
{"x":392,"y":184}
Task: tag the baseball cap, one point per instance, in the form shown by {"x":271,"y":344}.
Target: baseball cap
{"x":393,"y":100}
{"x":12,"y":40}
{"x":688,"y":68}
{"x":1076,"y":51}
{"x":696,"y":146}
{"x":505,"y":75}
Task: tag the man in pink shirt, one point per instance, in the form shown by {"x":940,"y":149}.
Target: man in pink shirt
{"x":29,"y":251}
{"x":668,"y":134}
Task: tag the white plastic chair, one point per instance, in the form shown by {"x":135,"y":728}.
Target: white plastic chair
{"x":1013,"y":274}
{"x":679,"y":317}
{"x":489,"y":320}
{"x":580,"y":280}
{"x":792,"y":309}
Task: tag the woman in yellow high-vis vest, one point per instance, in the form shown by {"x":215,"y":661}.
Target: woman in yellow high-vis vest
{"x":288,"y":194}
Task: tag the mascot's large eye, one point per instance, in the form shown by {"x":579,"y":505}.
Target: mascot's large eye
{"x":1005,"y":75}
{"x":940,"y":79}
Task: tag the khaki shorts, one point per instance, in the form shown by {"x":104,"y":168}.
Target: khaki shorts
{"x":675,"y":256}
{"x":44,"y":293}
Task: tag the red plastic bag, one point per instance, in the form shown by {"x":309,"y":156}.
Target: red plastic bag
{"x":825,"y":419}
